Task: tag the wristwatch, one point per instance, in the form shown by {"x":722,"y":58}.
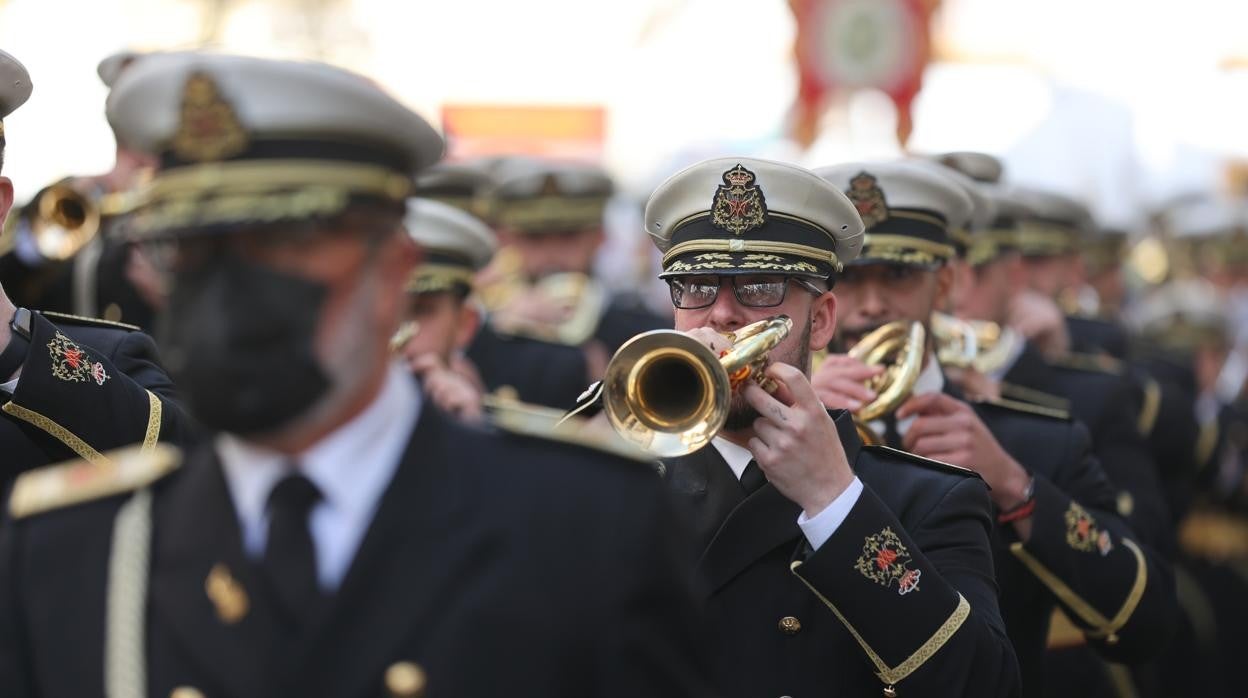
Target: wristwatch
{"x":14,"y":355}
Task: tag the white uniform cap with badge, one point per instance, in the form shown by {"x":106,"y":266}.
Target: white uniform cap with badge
{"x":1181,"y":316}
{"x":251,"y":141}
{"x":981,"y":167}
{"x":965,"y":234}
{"x":751,"y":216}
{"x":908,"y":210}
{"x":534,"y":196}
{"x":15,"y":86}
{"x":459,"y":184}
{"x":456,"y":246}
{"x":1052,"y":224}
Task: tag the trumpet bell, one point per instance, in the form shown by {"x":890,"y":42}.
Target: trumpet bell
{"x":666,"y":392}
{"x":669,"y":394}
{"x":64,"y":222}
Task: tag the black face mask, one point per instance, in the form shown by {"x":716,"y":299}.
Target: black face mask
{"x":238,"y":340}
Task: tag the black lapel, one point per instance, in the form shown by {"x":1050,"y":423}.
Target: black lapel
{"x":196,"y":529}
{"x":705,"y":490}
{"x":762,"y":522}
{"x":417,"y":544}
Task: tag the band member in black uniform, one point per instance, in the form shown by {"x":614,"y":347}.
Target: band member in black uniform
{"x":341,"y":535}
{"x":529,"y":369}
{"x":549,"y":217}
{"x":67,"y":252}
{"x":829,"y":567}
{"x":1058,"y":539}
{"x":69,"y":386}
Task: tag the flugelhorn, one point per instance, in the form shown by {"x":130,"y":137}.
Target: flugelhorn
{"x":899,"y":346}
{"x":669,"y":394}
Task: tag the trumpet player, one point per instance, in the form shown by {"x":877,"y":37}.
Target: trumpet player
{"x":827,"y":566}
{"x":1059,"y":540}
{"x":71,"y":386}
{"x":65,"y":249}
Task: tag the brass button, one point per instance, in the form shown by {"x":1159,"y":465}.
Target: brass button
{"x":186,"y":692}
{"x":1125,"y":503}
{"x":790,"y":625}
{"x":405,"y":680}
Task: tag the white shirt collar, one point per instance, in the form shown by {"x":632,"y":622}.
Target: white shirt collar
{"x":736,"y":456}
{"x":351,"y":467}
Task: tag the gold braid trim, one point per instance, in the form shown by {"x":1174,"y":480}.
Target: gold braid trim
{"x":56,"y":431}
{"x":430,"y":278}
{"x":250,"y":177}
{"x":1102,"y":627}
{"x":785,"y":248}
{"x":154,"y":412}
{"x":905,"y":242}
{"x":1150,"y":409}
{"x":892,"y":675}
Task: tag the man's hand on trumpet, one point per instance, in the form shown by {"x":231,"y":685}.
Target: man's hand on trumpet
{"x":840,"y":382}
{"x":795,"y":441}
{"x":450,"y":390}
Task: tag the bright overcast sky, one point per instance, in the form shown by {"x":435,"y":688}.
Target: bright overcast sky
{"x":1122,"y":102}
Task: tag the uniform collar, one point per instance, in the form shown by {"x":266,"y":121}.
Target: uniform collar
{"x":737,"y":457}
{"x":350,"y":466}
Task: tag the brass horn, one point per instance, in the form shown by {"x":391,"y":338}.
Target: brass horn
{"x":668,"y":393}
{"x":64,"y":221}
{"x":957,"y":340}
{"x":900,"y":346}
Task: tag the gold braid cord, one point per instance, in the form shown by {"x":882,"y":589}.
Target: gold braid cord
{"x":125,"y":662}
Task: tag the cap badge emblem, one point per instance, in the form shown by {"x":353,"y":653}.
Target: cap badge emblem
{"x":209,"y":128}
{"x":739,"y":206}
{"x":868,"y":198}
{"x":885,"y":560}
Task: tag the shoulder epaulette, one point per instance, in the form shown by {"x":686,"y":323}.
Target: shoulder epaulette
{"x":925,"y":462}
{"x":78,"y":481}
{"x":541,"y":422}
{"x":1026,"y":408}
{"x":1095,"y":363}
{"x":68,"y":319}
{"x":1021,"y":393}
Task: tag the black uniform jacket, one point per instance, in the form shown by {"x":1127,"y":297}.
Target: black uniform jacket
{"x":86,"y":387}
{"x":541,"y":373}
{"x":1081,"y":554}
{"x":503,"y":565}
{"x":902,"y":593}
{"x":1109,"y":405}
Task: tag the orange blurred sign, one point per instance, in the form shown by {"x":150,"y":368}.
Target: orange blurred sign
{"x":571,"y":132}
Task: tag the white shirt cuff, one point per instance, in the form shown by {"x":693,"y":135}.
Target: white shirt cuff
{"x":10,"y":386}
{"x":819,"y":529}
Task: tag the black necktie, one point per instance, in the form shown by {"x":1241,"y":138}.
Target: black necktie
{"x":752,"y":478}
{"x":290,"y":555}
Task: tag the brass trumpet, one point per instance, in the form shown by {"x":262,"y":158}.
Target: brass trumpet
{"x":900,"y":346}
{"x":669,"y":394}
{"x":64,"y":221}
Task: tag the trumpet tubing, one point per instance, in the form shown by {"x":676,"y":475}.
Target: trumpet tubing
{"x":900,"y":347}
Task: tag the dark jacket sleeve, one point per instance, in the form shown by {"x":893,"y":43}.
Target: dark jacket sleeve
{"x":93,"y":400}
{"x":921,"y":602}
{"x":1119,"y":590}
{"x":1125,"y":457}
